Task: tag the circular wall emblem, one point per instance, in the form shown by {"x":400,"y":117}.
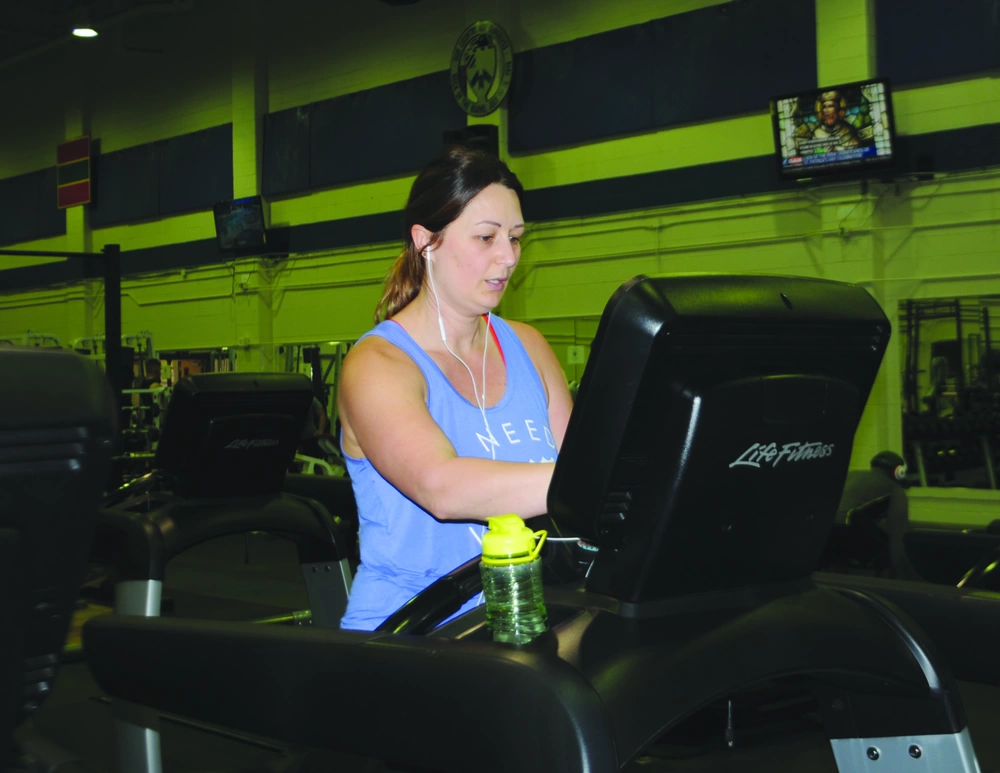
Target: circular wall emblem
{"x":481,"y":66}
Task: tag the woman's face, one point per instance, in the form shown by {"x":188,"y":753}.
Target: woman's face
{"x":478,"y":251}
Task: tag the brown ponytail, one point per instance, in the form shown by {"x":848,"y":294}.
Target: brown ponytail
{"x":438,"y":196}
{"x":402,"y":283}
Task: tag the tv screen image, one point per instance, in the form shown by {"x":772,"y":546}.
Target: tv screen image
{"x":834,"y":129}
{"x":239,"y":225}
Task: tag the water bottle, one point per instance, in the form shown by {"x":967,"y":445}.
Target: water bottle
{"x":512,"y":580}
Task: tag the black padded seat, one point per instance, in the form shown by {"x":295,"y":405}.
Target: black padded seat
{"x":57,"y":427}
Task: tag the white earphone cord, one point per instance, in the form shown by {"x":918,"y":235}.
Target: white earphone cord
{"x":481,"y":402}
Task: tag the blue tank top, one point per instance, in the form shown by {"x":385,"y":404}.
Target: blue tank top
{"x":403,"y":547}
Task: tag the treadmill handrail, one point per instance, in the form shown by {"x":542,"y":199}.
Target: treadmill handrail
{"x":437,"y":601}
{"x":962,"y":623}
{"x":140,"y":544}
{"x":630,"y":678}
{"x":343,"y":689}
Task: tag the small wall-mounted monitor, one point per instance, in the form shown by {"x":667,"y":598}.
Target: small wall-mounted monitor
{"x":240,"y":226}
{"x":835,"y":130}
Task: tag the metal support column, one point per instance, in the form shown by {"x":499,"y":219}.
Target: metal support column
{"x":963,"y":396}
{"x":113,"y":319}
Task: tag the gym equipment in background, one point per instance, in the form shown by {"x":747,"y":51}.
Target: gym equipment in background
{"x":705,"y":458}
{"x":57,"y":430}
{"x":227,"y":441}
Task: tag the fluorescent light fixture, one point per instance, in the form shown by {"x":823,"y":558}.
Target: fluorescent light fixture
{"x":84,"y":32}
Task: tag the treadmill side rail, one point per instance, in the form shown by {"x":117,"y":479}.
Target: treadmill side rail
{"x":962,"y":623}
{"x":437,"y":695}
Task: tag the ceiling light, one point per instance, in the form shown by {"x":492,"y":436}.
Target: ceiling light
{"x":84,"y":32}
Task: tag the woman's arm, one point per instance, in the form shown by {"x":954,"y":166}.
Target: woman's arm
{"x":384,"y":415}
{"x":553,"y":379}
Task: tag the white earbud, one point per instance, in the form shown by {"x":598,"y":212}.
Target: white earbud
{"x":480,"y":400}
{"x":427,"y":255}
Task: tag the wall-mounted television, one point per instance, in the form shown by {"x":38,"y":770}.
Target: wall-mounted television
{"x":846,"y":129}
{"x":240,"y":226}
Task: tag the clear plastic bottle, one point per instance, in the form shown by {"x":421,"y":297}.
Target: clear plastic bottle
{"x":512,"y":580}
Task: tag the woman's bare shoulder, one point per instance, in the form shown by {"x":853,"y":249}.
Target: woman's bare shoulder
{"x":532,"y":340}
{"x":374,"y":350}
{"x":376,"y":358}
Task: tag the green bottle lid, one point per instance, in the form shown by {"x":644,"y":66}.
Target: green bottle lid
{"x":509,"y":541}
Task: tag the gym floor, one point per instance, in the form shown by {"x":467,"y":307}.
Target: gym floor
{"x":258,"y":577}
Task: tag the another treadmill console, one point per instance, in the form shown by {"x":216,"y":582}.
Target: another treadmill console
{"x":712,"y":431}
{"x":232,"y":434}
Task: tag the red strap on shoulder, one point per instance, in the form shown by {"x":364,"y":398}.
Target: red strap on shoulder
{"x":493,"y":332}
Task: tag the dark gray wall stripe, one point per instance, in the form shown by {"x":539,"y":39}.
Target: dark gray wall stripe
{"x":947,"y":151}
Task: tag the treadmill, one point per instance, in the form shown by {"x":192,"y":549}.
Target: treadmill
{"x":219,"y":470}
{"x":704,"y":459}
{"x":57,"y":435}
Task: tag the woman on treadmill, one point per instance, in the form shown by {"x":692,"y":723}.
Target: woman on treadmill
{"x":450,"y":414}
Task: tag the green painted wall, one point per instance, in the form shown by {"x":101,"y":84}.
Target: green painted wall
{"x":908,"y":240}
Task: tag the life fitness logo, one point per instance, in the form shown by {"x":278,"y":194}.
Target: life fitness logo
{"x":482,"y":64}
{"x":770,"y":455}
{"x":243,"y":444}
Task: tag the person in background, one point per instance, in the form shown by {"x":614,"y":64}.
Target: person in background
{"x":881,"y":486}
{"x":152,"y":373}
{"x":450,"y":414}
{"x":317,"y":424}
